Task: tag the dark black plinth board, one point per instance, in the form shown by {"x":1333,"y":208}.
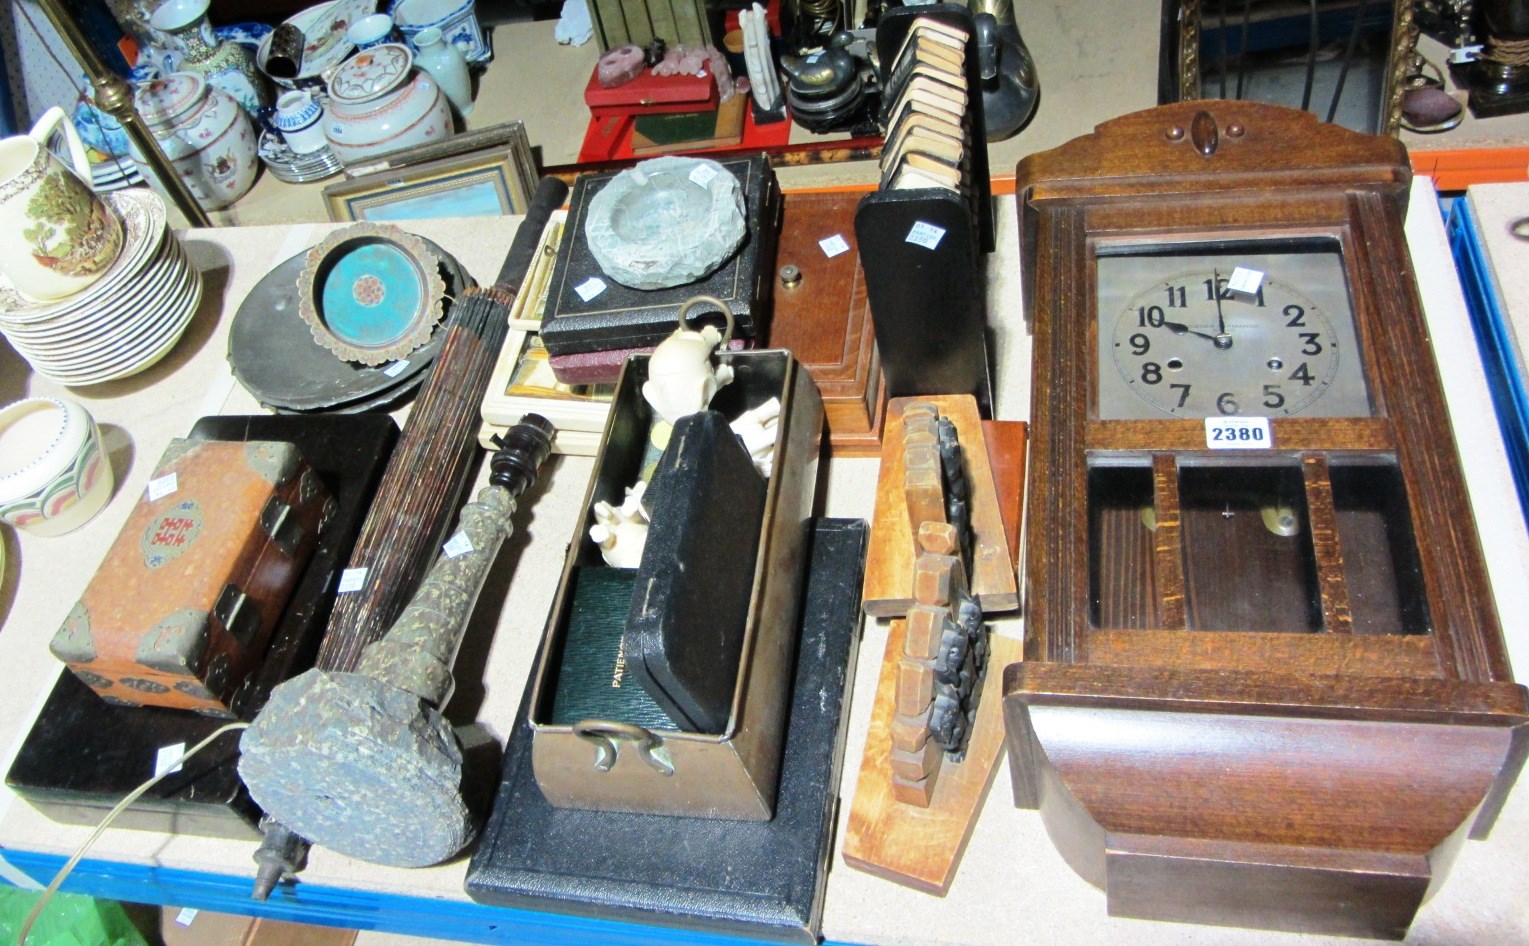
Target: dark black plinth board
{"x":622,"y":317}
{"x":760,"y":879}
{"x":83,"y":754}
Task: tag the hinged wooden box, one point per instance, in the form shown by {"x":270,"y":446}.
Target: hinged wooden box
{"x":618,"y":765}
{"x":182,"y":606}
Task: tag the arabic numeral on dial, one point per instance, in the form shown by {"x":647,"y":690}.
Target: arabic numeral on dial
{"x":1176,"y":297}
{"x":1296,"y":315}
{"x":1149,"y":315}
{"x":1226,"y":403}
{"x":1312,"y":346}
{"x":1272,"y":398}
{"x":1303,"y":375}
{"x":1140,"y":344}
{"x":1151,"y":372}
{"x":1183,"y":390}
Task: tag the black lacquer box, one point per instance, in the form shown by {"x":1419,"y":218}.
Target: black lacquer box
{"x":83,"y":754}
{"x":620,"y":317}
{"x":750,"y":878}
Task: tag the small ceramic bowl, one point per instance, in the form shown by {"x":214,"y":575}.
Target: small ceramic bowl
{"x":54,"y":475}
{"x":371,"y":293}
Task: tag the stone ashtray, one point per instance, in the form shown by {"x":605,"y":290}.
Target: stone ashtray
{"x":371,"y":293}
{"x":666,"y":222}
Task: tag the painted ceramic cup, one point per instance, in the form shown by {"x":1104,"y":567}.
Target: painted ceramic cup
{"x":371,"y":31}
{"x":56,"y":235}
{"x":299,"y":119}
{"x":54,"y":475}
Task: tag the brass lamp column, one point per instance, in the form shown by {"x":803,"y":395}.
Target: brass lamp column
{"x":115,"y":97}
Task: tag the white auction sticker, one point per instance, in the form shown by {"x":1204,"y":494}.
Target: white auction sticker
{"x":834,"y":245}
{"x":1245,"y":280}
{"x":396,"y":368}
{"x":926,"y":235}
{"x":168,"y":759}
{"x":185,"y":916}
{"x":351,"y":579}
{"x":162,"y":487}
{"x":460,"y":544}
{"x":590,"y":288}
{"x":702,"y":174}
{"x":1238,"y":433}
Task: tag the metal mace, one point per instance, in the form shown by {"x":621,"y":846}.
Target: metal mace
{"x":115,"y":97}
{"x":363,"y":762}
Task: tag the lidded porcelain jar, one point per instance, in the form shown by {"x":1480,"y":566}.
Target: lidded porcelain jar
{"x":378,"y":103}
{"x":204,"y":133}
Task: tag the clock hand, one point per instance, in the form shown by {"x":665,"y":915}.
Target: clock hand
{"x":1179,"y":328}
{"x":1222,"y":339}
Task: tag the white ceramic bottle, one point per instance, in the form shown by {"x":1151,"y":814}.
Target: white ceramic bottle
{"x":445,"y":62}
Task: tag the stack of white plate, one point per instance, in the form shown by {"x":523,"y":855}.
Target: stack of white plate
{"x":123,"y":322}
{"x":115,"y":173}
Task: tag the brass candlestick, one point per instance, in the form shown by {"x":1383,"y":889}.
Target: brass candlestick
{"x":115,"y":98}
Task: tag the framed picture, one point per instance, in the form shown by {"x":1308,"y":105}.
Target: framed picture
{"x":485,"y":183}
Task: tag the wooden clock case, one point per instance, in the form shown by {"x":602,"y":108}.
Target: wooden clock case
{"x":1317,"y":780}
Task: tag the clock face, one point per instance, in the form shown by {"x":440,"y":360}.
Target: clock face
{"x":1178,"y":338}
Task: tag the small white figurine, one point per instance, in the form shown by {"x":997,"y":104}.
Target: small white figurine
{"x":681,"y":377}
{"x":757,"y":429}
{"x":621,"y":532}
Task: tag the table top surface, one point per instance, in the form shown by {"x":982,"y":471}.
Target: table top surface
{"x":1012,"y":885}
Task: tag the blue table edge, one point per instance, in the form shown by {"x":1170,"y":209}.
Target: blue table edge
{"x":321,"y":905}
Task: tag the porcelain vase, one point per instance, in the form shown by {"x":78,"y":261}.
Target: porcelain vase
{"x":227,"y":66}
{"x":204,"y":133}
{"x":445,"y":62}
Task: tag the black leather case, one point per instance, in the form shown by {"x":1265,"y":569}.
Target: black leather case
{"x":83,"y":754}
{"x":690,"y":603}
{"x":749,"y":878}
{"x":622,"y":317}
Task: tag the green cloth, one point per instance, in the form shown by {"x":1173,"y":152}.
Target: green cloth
{"x":69,"y":919}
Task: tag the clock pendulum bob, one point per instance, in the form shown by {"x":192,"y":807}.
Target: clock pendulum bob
{"x":1499,"y":78}
{"x":1254,"y":692}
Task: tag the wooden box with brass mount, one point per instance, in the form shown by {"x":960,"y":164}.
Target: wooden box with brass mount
{"x":1264,"y":682}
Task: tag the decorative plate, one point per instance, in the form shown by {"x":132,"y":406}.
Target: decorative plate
{"x":666,"y":222}
{"x":324,"y":29}
{"x":272,"y":352}
{"x":371,"y":293}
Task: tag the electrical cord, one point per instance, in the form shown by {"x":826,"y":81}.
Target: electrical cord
{"x":134,"y":795}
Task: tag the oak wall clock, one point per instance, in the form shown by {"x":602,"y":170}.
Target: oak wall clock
{"x":1264,"y":682}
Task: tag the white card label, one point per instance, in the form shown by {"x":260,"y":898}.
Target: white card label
{"x":168,"y":759}
{"x":1238,"y":433}
{"x":162,"y":487}
{"x":460,"y":544}
{"x":1464,"y":54}
{"x":1245,"y":280}
{"x":702,"y":174}
{"x":185,"y":916}
{"x":590,"y":288}
{"x":351,"y":579}
{"x":396,"y":368}
{"x":926,"y":235}
{"x":834,"y":245}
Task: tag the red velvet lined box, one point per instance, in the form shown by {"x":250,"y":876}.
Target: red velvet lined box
{"x":651,"y":94}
